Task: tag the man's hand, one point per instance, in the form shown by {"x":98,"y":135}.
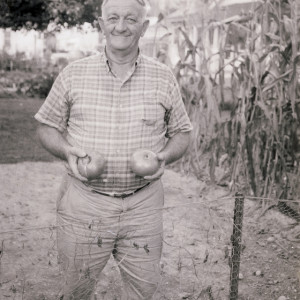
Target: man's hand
{"x":175,"y":148}
{"x":162,"y":160}
{"x":54,"y":142}
{"x":72,"y":155}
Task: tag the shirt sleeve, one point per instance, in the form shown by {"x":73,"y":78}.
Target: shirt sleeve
{"x":177,"y":117}
{"x":56,"y":109}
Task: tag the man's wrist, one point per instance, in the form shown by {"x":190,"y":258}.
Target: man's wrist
{"x":163,"y":156}
{"x":66,"y":151}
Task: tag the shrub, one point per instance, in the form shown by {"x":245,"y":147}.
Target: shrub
{"x":38,"y":85}
{"x":19,"y":61}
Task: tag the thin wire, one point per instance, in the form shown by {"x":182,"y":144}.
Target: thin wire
{"x":50,"y":227}
{"x":272,"y":199}
{"x":53,"y":227}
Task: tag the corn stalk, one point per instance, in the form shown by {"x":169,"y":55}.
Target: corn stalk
{"x":259,"y":140}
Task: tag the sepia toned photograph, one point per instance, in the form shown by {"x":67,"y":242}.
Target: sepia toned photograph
{"x":150,"y":149}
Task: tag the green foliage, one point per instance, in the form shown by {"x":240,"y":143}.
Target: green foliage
{"x":38,"y":13}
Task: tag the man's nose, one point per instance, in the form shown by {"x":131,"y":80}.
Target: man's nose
{"x":121,"y":25}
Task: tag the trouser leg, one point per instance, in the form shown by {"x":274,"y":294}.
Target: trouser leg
{"x":139,"y":246}
{"x":85,"y":240}
{"x":83,"y":253}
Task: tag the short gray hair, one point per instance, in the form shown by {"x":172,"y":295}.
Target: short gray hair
{"x":144,"y":3}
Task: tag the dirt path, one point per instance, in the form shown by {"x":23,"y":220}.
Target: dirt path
{"x":198,"y":226}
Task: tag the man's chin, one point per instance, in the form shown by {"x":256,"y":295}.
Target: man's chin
{"x":120,"y":46}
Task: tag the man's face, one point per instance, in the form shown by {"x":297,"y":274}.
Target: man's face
{"x":123,"y":24}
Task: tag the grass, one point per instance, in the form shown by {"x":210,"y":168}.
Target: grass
{"x":17,"y":131}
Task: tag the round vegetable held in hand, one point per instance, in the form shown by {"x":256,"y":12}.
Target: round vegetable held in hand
{"x":92,"y":165}
{"x":144,"y":162}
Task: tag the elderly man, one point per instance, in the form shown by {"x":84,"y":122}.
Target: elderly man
{"x":115,"y":103}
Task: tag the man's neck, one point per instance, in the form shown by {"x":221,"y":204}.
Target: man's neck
{"x":122,"y":58}
{"x":122,"y":64}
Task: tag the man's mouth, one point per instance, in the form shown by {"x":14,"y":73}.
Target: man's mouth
{"x":120,"y":35}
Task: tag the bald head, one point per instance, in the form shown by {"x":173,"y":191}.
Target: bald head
{"x":143,"y":3}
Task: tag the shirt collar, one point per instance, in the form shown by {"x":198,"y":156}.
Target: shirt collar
{"x":104,"y":59}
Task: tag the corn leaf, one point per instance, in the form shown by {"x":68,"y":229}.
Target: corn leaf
{"x":273,"y":83}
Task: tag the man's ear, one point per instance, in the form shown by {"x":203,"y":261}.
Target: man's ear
{"x":101,"y":23}
{"x":145,"y":27}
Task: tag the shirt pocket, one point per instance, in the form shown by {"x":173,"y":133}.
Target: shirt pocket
{"x":148,"y":121}
{"x":153,"y":121}
{"x":151,"y":112}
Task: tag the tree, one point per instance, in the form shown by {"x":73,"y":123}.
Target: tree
{"x":74,"y":12}
{"x":38,"y":14}
{"x":24,"y":13}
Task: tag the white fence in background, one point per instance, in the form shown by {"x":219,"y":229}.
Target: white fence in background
{"x":29,"y":42}
{"x":35,"y":44}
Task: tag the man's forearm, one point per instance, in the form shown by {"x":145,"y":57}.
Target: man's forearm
{"x":176,"y":146}
{"x":53,"y":141}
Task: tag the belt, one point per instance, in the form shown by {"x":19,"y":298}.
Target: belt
{"x":123,"y":195}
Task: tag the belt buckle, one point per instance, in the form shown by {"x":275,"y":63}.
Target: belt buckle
{"x":123,"y":195}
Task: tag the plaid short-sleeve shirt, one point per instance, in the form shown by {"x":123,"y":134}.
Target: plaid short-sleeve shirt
{"x":98,"y":111}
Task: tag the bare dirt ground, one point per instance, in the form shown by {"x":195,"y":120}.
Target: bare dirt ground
{"x":198,"y":226}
